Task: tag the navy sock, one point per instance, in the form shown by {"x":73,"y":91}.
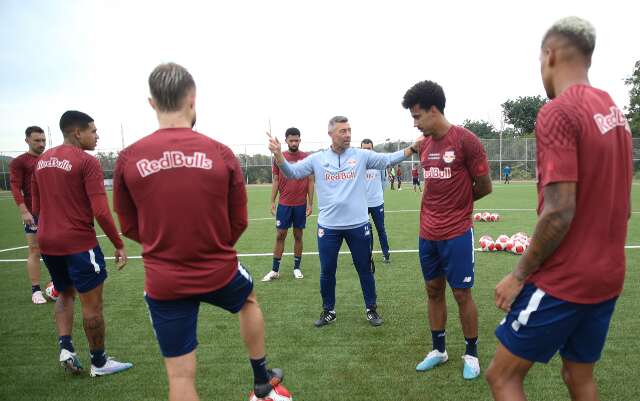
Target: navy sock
{"x":438,"y":338}
{"x":296,"y":262}
{"x":472,"y":346}
{"x":35,"y":288}
{"x":66,"y":343}
{"x":276,"y":264}
{"x":98,"y":358}
{"x":259,"y":366}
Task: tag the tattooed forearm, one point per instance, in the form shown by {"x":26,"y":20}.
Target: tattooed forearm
{"x":553,"y":225}
{"x":94,"y":329}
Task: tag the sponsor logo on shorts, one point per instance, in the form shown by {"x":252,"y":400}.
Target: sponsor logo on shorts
{"x":173,"y":159}
{"x":55,"y":163}
{"x":320,"y":232}
{"x":467,"y":279}
{"x":277,"y":223}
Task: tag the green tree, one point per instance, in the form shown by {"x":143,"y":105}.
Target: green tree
{"x":633,"y":110}
{"x":482,"y":128}
{"x":521,"y":113}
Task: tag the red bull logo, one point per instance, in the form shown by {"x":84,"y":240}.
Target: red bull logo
{"x":173,"y":159}
{"x":341,"y":176}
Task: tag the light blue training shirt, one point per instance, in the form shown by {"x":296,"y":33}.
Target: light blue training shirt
{"x":341,"y":183}
{"x":375,"y":187}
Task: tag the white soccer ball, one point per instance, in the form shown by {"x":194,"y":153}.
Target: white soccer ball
{"x":477,"y":217}
{"x":486,"y":243}
{"x":51,"y":292}
{"x":501,"y":242}
{"x":486,"y":216}
{"x":279,"y":393}
{"x":495,"y":217}
{"x":518,"y":247}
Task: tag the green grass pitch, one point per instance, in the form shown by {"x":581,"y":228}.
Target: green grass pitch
{"x":348,"y":360}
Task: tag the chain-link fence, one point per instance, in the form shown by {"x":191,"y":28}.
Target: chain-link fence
{"x":255,"y":159}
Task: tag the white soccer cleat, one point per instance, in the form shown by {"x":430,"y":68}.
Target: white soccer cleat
{"x":37,"y":298}
{"x":271,"y":276}
{"x":112,"y":366}
{"x":297,"y":273}
{"x":69,"y":361}
{"x":433,"y":359}
{"x":471,"y":368}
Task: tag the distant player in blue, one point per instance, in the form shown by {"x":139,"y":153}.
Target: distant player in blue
{"x":340,"y":174}
{"x":506,"y":171}
{"x":375,"y":202}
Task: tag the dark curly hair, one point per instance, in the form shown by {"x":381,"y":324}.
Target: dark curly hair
{"x":425,"y":94}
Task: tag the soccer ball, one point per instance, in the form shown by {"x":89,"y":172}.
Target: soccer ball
{"x":518,"y":247}
{"x":51,"y":292}
{"x":495,"y":217}
{"x":279,"y":393}
{"x":501,"y":242}
{"x":486,"y":243}
{"x":486,"y":216}
{"x":477,"y":217}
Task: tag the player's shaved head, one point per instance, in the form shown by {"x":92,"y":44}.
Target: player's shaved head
{"x":571,"y":36}
{"x":73,"y":119}
{"x":169,"y":84}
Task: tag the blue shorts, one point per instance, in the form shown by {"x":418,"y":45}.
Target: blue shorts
{"x":32,"y":229}
{"x":174,"y":322}
{"x":539,"y":325}
{"x":286,"y":216}
{"x":453,"y":257}
{"x":416,"y":181}
{"x":84,"y":271}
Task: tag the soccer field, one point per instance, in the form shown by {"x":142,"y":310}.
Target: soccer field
{"x":348,"y":360}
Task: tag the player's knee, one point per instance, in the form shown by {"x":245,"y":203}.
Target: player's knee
{"x":297,"y":235}
{"x":462,"y":295}
{"x":281,"y":235}
{"x":435,"y":292}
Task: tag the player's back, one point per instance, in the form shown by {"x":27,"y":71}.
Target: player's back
{"x":185,"y":187}
{"x":66,"y":177}
{"x":583,"y":137}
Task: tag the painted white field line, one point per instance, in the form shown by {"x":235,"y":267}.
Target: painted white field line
{"x":248,"y":255}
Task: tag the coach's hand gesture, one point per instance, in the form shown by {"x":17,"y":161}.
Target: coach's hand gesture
{"x":121,"y":258}
{"x":275,"y":148}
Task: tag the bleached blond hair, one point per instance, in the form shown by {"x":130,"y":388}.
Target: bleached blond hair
{"x":577,"y":31}
{"x":169,"y":83}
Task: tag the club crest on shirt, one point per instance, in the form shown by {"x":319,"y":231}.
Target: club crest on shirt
{"x":320,"y":232}
{"x":449,"y":156}
{"x":351,"y":162}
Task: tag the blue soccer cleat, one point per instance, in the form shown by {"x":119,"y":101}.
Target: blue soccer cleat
{"x":471,"y":368}
{"x":433,"y":359}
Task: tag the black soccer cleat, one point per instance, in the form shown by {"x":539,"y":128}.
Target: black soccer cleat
{"x":326,"y":317}
{"x":385,"y":259}
{"x":373,"y":317}
{"x":275,"y":377}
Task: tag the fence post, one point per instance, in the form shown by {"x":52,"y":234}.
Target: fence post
{"x":246,"y":167}
{"x":500,"y":159}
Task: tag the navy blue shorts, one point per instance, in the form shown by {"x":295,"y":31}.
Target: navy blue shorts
{"x":539,"y":325}
{"x":28,"y":229}
{"x":416,"y":181}
{"x":84,"y":271}
{"x":175,"y":321}
{"x":287,"y":216}
{"x":453,"y":257}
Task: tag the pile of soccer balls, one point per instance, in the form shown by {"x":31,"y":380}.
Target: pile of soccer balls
{"x":486,"y":216}
{"x":279,"y":393}
{"x":516,"y":244}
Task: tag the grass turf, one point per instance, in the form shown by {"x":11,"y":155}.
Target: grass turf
{"x":348,"y":360}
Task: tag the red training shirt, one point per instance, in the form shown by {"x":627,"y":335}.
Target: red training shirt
{"x":450,"y":163}
{"x":414,"y":172}
{"x":21,"y":170}
{"x":68,"y":191}
{"x":292,"y":192}
{"x":181,"y":195}
{"x":583,"y":137}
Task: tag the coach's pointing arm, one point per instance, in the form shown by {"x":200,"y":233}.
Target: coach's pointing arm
{"x":380,"y":161}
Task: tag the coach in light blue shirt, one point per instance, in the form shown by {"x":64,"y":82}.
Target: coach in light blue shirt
{"x":340,"y":174}
{"x":375,"y":202}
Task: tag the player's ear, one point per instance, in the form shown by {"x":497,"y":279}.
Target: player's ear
{"x":152,"y":103}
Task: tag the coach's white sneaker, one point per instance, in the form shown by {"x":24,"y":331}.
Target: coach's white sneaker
{"x":37,"y":298}
{"x":433,"y":359}
{"x":271,"y":276}
{"x":297,"y":273}
{"x":112,"y":366}
{"x":69,"y":361}
{"x":471,"y":368}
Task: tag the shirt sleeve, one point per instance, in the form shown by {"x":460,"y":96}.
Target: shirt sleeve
{"x":556,"y":142}
{"x":123,"y":203}
{"x":299,"y":170}
{"x":379,"y":161}
{"x":92,"y":176}
{"x":475,"y":155}
{"x":100,"y":209}
{"x":16,"y":176}
{"x":237,"y":198}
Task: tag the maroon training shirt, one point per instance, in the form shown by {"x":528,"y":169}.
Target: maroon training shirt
{"x":68,"y":191}
{"x":583,"y":137}
{"x":292,"y":192}
{"x":181,"y":195}
{"x":21,"y":170}
{"x":450,"y":163}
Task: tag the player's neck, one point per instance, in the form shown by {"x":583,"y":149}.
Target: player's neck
{"x":72,"y":142}
{"x":174,"y":120}
{"x":567,"y":78}
{"x":33,"y":153}
{"x":441,"y":129}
